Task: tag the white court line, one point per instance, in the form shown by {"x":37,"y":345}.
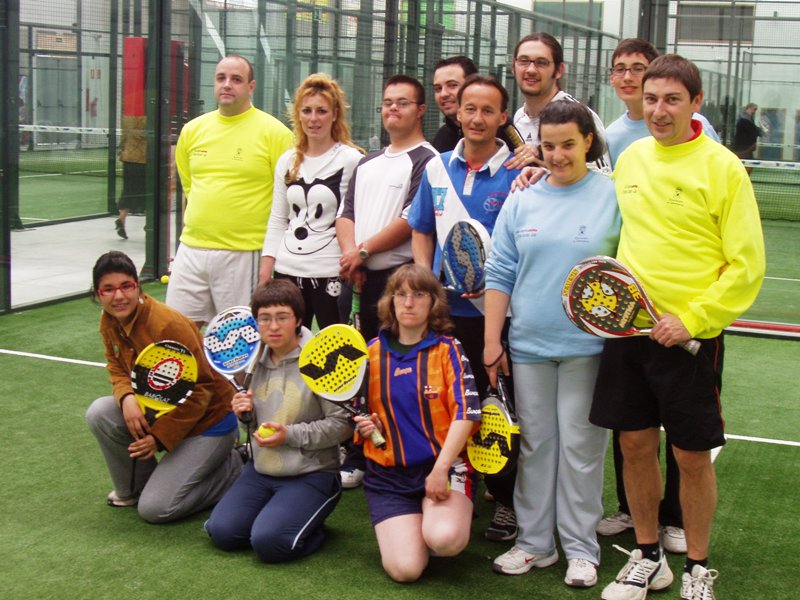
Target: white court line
{"x":74,"y":361}
{"x":714,"y":453}
{"x":39,"y":175}
{"x":792,"y":279}
{"x":747,"y":438}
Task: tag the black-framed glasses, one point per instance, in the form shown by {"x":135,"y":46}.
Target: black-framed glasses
{"x":635,"y":69}
{"x":401,"y":103}
{"x":126,"y":287}
{"x":539,"y":63}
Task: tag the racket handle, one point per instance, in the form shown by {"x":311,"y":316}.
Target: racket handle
{"x":692,"y":347}
{"x":246,"y":417}
{"x":378,"y":439}
{"x":513,"y":136}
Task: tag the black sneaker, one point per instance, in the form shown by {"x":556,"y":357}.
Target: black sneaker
{"x":120,"y":227}
{"x":503,"y":527}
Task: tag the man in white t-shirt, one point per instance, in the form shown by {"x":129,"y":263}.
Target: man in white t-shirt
{"x":375,"y":239}
{"x":538,"y":67}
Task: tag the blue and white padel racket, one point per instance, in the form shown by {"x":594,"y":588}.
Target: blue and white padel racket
{"x":464,"y":255}
{"x":231,"y":344}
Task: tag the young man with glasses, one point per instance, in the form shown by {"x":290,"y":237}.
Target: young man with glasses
{"x":375,"y":239}
{"x":628,"y":64}
{"x":472,"y":181}
{"x":538,"y":67}
{"x":280,"y":501}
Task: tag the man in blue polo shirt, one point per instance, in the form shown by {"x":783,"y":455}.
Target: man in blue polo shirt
{"x":469,"y":182}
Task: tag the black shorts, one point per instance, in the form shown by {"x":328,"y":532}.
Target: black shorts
{"x":642,"y":384}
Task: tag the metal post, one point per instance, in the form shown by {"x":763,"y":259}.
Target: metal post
{"x":113,"y":64}
{"x":9,"y":143}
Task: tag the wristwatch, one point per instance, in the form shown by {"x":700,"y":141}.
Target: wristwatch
{"x":363,"y":253}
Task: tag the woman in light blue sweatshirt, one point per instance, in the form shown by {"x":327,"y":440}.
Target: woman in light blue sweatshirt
{"x":540,"y":234}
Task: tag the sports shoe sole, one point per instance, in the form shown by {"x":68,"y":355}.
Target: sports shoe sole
{"x":582,"y":583}
{"x":495,"y":535}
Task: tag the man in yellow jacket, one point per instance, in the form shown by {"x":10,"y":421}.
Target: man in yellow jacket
{"x":691,"y":232}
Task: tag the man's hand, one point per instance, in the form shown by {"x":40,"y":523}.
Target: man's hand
{"x":350,"y":265}
{"x":523,"y":156}
{"x":670,"y":331}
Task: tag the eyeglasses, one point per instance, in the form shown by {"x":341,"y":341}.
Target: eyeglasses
{"x":281,"y":319}
{"x":416,"y":295}
{"x":126,"y":287}
{"x":401,"y":103}
{"x":539,"y":63}
{"x":635,"y":69}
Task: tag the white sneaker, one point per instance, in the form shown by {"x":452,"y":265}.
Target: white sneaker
{"x":699,"y":585}
{"x":581,"y":573}
{"x":516,"y":561}
{"x":351,"y":478}
{"x":673,"y":539}
{"x":616,"y":523}
{"x":637,"y":576}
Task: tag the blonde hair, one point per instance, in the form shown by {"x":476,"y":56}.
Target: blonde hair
{"x":418,"y":279}
{"x":328,"y":88}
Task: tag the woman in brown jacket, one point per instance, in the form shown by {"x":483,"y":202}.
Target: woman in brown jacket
{"x":199,"y":462}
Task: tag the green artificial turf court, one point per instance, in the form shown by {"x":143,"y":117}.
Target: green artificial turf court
{"x":58,"y":539}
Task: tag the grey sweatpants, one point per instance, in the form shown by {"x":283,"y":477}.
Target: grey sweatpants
{"x":192,"y":477}
{"x":560,"y":468}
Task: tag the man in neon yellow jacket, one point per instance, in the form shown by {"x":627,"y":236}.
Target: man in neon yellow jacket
{"x":691,"y":232}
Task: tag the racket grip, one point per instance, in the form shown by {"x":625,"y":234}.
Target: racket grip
{"x":246,"y":417}
{"x":513,"y":136}
{"x":692,"y":347}
{"x":378,"y":439}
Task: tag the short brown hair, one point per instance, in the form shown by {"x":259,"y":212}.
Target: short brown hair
{"x":476,"y":79}
{"x":419,"y":279}
{"x":251,"y":74}
{"x":279,"y":292}
{"x":673,"y":66}
{"x":412,"y":81}
{"x":635,"y":46}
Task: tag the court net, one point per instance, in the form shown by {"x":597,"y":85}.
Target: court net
{"x":777,"y":188}
{"x":49,"y":150}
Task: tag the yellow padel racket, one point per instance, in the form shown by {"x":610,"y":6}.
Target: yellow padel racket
{"x":163,"y":377}
{"x":333,"y":364}
{"x":493,"y":449}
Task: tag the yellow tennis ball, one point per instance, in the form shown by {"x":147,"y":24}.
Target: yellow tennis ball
{"x":165,"y":279}
{"x":265,"y":432}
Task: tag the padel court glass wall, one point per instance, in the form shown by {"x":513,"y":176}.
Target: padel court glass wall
{"x":84,"y":81}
